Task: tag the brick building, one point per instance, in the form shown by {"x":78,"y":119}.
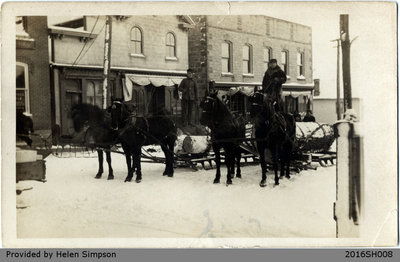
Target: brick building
{"x":232,"y":53}
{"x":32,"y":71}
{"x":149,"y":57}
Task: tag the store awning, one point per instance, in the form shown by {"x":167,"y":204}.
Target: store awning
{"x":245,"y":90}
{"x":144,"y":80}
{"x":297,"y":93}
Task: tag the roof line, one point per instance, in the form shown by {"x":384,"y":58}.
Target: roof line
{"x":148,"y":70}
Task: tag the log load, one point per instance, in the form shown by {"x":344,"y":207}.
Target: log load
{"x":310,"y":136}
{"x":314,"y":137}
{"x":192,"y":144}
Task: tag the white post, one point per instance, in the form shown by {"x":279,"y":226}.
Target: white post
{"x":107,"y":60}
{"x":348,"y":177}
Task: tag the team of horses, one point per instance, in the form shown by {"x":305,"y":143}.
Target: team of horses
{"x":119,"y":124}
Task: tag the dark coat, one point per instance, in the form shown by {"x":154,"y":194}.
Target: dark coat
{"x":309,"y":118}
{"x":270,"y":83}
{"x":188,"y":88}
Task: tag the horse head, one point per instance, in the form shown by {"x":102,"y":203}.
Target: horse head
{"x":86,"y":115}
{"x":262,"y":109}
{"x":209,"y":106}
{"x":80,"y":118}
{"x":257,"y":103}
{"x":120,"y":114}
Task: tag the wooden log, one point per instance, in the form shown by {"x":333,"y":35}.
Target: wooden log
{"x":190,"y":144}
{"x":196,"y":144}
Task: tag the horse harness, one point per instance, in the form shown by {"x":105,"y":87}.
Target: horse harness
{"x":131,"y":123}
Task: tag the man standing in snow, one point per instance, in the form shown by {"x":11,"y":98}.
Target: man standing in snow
{"x":188,"y":88}
{"x":273,"y":79}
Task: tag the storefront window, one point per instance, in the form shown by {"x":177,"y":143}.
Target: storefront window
{"x":94,"y":94}
{"x":22,"y":88}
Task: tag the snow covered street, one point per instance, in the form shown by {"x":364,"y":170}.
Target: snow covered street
{"x":73,"y":204}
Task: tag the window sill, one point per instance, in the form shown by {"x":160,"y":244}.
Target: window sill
{"x":137,"y":55}
{"x":301,"y":77}
{"x":248,"y":75}
{"x":227,"y":74}
{"x":169,"y":58}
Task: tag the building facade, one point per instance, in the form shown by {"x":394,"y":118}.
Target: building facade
{"x":32,"y":71}
{"x":233,"y":52}
{"x":324,"y":109}
{"x":149,"y":58}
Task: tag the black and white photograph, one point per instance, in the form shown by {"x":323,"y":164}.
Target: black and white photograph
{"x":199,"y":124}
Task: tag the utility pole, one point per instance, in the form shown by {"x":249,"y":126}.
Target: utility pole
{"x":337,"y":79}
{"x":107,"y":60}
{"x":345,"y":43}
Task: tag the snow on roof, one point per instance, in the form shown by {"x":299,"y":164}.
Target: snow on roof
{"x":67,"y":29}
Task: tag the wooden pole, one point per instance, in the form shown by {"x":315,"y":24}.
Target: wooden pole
{"x":345,"y":42}
{"x":337,"y":78}
{"x":338,"y":81}
{"x":107,"y":60}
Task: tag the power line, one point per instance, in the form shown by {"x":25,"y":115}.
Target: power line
{"x":94,"y":40}
{"x":91,"y":32}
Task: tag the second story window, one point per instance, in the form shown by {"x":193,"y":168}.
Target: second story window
{"x":300,"y":64}
{"x":267,"y":57}
{"x":247,"y":59}
{"x":226,"y":57}
{"x":136,"y":41}
{"x":171,"y":45}
{"x":285,"y":61}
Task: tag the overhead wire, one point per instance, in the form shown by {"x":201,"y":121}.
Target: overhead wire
{"x":94,"y":40}
{"x":91,"y":32}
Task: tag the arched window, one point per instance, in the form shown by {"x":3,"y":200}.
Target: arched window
{"x":22,"y":87}
{"x":285,"y":61}
{"x":267,"y":57}
{"x":136,"y":40}
{"x":171,"y":45}
{"x":247,"y":61}
{"x":226,"y":57}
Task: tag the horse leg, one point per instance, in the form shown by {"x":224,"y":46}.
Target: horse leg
{"x":229,"y":160}
{"x":282,"y":161}
{"x":168,"y":170}
{"x":100,"y":158}
{"x":128,"y":157}
{"x":171,"y":152}
{"x":261,"y":151}
{"x":287,"y":162}
{"x":164,"y":149}
{"x":216,"y":149}
{"x":137,"y":153}
{"x":110,"y":170}
{"x":238,"y":157}
{"x":274,"y":153}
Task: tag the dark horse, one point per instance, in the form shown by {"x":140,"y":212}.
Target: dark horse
{"x":96,"y":124}
{"x":135,"y":132}
{"x":226,"y":132}
{"x":24,"y":128}
{"x":273,"y":130}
